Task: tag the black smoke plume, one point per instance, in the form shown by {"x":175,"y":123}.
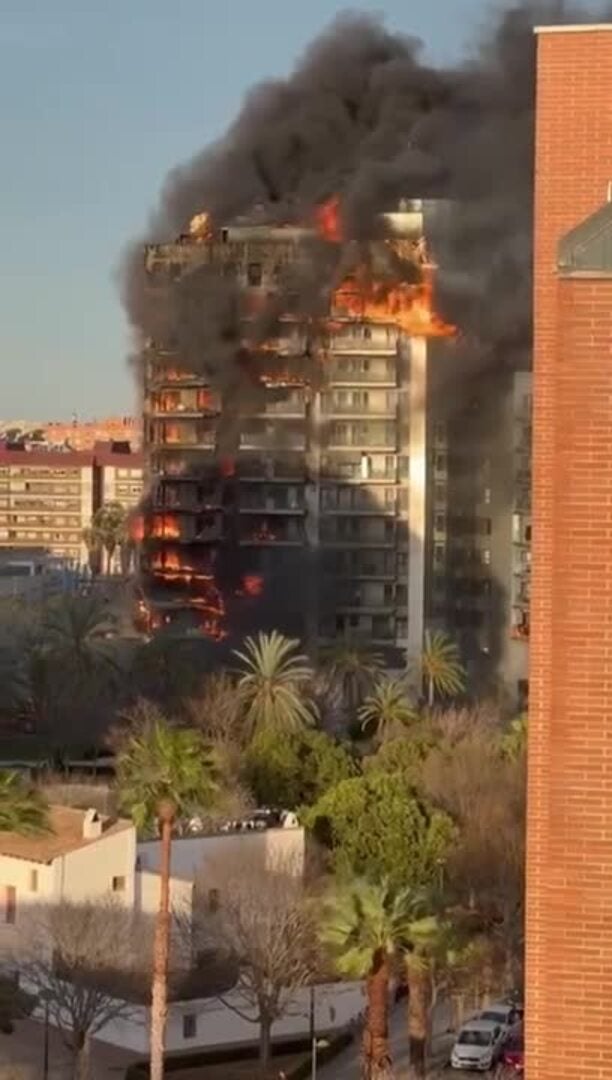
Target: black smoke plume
{"x":365,"y":117}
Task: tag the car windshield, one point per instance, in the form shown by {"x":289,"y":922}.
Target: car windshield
{"x":474,"y":1038}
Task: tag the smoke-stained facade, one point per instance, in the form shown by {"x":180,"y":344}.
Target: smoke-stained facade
{"x":311,"y":504}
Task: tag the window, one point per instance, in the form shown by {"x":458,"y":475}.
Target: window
{"x":254,"y":274}
{"x":119,"y":884}
{"x":190,"y":1026}
{"x":213,"y":900}
{"x":10,"y":904}
{"x":33,"y":880}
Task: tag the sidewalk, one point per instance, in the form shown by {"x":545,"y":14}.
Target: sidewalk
{"x":22,"y":1053}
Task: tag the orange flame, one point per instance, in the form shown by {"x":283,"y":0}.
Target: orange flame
{"x":409,"y":307}
{"x":252,"y":584}
{"x":264,"y":532}
{"x":327,"y":217}
{"x":165,"y":526}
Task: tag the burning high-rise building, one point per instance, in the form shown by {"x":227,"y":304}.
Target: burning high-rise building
{"x":317,"y":488}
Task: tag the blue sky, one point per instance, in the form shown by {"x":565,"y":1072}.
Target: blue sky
{"x":99,"y":99}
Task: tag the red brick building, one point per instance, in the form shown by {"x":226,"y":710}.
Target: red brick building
{"x":569,"y":887}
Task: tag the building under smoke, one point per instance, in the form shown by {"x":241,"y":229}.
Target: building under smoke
{"x":302,"y":488}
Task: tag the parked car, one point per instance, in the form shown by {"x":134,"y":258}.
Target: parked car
{"x":513,"y":1055}
{"x":478,"y":1045}
{"x":507,"y":1016}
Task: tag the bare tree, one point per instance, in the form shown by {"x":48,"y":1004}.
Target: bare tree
{"x":79,"y":961}
{"x":264,"y":927}
{"x":484,"y":792}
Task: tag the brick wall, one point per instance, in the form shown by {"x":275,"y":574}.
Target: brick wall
{"x":569,"y":941}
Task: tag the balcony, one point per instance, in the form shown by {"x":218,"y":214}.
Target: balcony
{"x":270,"y":530}
{"x":280,"y":470}
{"x":276,"y":500}
{"x":360,"y":468}
{"x":360,"y":403}
{"x":182,"y":433}
{"x":185,"y":528}
{"x":188,"y":403}
{"x":187,"y":496}
{"x":355,"y":372}
{"x":381,"y":436}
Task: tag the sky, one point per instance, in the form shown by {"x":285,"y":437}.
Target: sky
{"x":100,"y":98}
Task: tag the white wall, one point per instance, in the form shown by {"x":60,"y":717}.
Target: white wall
{"x":87,"y":874}
{"x":205,"y":857}
{"x":336,"y":1005}
{"x":18,"y":873}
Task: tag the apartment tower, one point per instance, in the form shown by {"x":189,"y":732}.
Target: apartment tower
{"x":322,"y":502}
{"x":569,"y":883}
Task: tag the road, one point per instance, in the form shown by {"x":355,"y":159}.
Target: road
{"x":347,"y":1066}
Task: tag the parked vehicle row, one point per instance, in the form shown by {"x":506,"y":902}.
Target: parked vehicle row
{"x":492,"y":1037}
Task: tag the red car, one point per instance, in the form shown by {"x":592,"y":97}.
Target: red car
{"x":513,"y":1056}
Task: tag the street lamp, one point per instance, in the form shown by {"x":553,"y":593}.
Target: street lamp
{"x":316,"y":1044}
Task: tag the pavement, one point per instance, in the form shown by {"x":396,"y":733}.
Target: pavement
{"x":22,"y":1056}
{"x":347,"y":1065}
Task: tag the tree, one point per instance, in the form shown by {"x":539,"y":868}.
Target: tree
{"x":22,"y":808}
{"x":387,"y":709}
{"x":295,"y":770}
{"x":272,"y":684}
{"x":93,"y":543}
{"x":484,"y":793}
{"x":69,"y":956}
{"x":110,"y":526}
{"x":365,"y":926}
{"x":377,"y":827}
{"x":355,"y":668}
{"x":77,"y":632}
{"x":163,"y":772}
{"x":442,"y":670}
{"x":266,"y":930}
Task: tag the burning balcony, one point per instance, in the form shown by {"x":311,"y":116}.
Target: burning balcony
{"x":264,"y":529}
{"x":191,"y":401}
{"x":182,"y":432}
{"x":186,"y":528}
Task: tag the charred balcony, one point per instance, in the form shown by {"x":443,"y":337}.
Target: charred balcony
{"x":358,"y":531}
{"x":187,"y":495}
{"x":273,"y":499}
{"x":277,"y":434}
{"x":362,"y":565}
{"x":270,"y":529}
{"x":280,"y":469}
{"x":185,"y":528}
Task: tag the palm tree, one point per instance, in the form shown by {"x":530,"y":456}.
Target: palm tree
{"x":355,"y":668}
{"x":365,"y":926}
{"x":22,"y":808}
{"x":109,"y":524}
{"x":441,"y":667}
{"x":76,"y":632}
{"x":272,"y":681}
{"x":93,"y":543}
{"x":387,"y":709}
{"x":163,"y":772}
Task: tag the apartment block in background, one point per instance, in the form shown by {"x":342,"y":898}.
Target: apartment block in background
{"x":323,"y":500}
{"x":569,"y":833}
{"x":480,"y":526}
{"x":48,"y":497}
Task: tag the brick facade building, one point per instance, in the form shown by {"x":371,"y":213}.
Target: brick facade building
{"x":569,"y":886}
